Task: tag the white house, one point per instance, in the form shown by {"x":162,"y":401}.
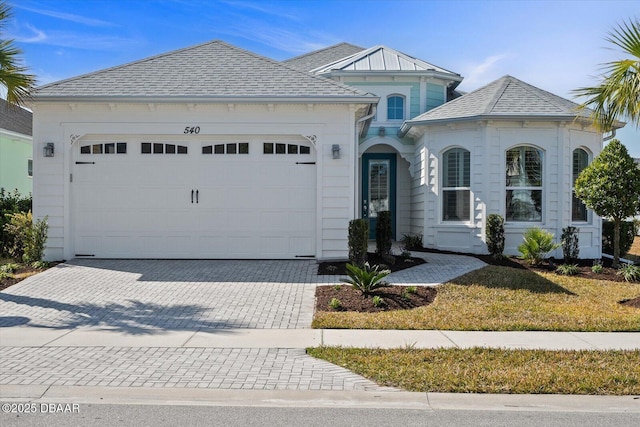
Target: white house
{"x":216,"y":152}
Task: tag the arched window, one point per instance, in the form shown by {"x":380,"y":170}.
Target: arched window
{"x":456,"y":185}
{"x":395,"y":107}
{"x":580,"y":161}
{"x":524,"y":184}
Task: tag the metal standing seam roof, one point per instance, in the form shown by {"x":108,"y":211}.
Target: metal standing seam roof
{"x":381,"y":58}
{"x":210,"y":71}
{"x":506,"y":97}
{"x":15,"y":119}
{"x":320,"y":57}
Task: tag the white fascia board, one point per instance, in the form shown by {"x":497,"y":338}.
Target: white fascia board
{"x":407,"y":125}
{"x":394,"y":73}
{"x":213,"y":100}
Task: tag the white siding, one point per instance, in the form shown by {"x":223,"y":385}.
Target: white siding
{"x":64,"y":123}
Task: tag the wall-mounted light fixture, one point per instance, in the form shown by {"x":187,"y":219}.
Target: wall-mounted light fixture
{"x":382,"y":131}
{"x":48,"y":149}
{"x":335,"y":151}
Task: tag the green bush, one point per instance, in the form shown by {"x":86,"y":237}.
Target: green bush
{"x":335,"y":304}
{"x":358,"y":241}
{"x":570,"y":247}
{"x":537,"y":244}
{"x":10,"y":202}
{"x":9,"y":268}
{"x":366,"y":279}
{"x":28,"y":238}
{"x":630,"y":272}
{"x":383,"y":233}
{"x":627,"y":234}
{"x":411,"y":242}
{"x":597,"y":268}
{"x":378,"y":302}
{"x":495,"y":235}
{"x":568,"y":269}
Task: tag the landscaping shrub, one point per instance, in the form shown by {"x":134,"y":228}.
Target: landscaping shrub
{"x":28,"y":238}
{"x":537,"y":244}
{"x":568,"y":269}
{"x":366,"y":279}
{"x":597,"y":267}
{"x":335,"y":304}
{"x":570,"y":248}
{"x":627,"y":234}
{"x":383,"y":233}
{"x":495,"y":235}
{"x":630,"y":272}
{"x":412,"y":242}
{"x":10,"y":202}
{"x":358,"y":241}
{"x":378,"y":301}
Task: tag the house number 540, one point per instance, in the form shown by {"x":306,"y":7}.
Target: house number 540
{"x":192,"y":129}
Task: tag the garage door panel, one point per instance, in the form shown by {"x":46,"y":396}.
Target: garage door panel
{"x":247,"y":206}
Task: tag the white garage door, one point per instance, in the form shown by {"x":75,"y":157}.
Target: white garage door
{"x":151,"y":198}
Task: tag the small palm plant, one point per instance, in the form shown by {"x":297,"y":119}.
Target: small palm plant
{"x":366,"y":279}
{"x":537,"y":244}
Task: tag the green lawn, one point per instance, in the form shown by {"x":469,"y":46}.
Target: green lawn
{"x":507,"y":299}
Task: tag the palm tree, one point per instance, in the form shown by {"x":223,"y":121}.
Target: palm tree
{"x":13,"y":76}
{"x":618,"y":94}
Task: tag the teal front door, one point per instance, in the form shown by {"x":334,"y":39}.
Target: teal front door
{"x":378,"y":189}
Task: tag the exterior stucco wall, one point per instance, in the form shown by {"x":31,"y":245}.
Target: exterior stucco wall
{"x":324,"y":125}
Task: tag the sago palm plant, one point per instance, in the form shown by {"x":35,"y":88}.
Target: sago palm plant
{"x":366,"y":279}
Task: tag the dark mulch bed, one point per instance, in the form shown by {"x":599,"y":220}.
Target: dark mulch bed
{"x":395,"y":298}
{"x":339,"y":267}
{"x":634,"y":302}
{"x":10,"y":281}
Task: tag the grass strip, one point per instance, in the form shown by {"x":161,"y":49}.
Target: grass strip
{"x":483,"y":370}
{"x":507,"y":299}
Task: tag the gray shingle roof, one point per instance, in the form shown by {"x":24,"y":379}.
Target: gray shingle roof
{"x":209,"y":71}
{"x":311,"y":60}
{"x":15,"y":119}
{"x":506,"y":97}
{"x":381,"y":58}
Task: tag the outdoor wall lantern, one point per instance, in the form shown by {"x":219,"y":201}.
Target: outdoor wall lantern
{"x":382,"y":132}
{"x":335,"y":150}
{"x":48,"y":149}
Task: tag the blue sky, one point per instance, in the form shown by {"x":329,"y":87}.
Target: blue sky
{"x":555,"y":45}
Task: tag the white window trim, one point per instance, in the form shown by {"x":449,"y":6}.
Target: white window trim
{"x":444,"y":221}
{"x":589,"y":219}
{"x":541,"y":188}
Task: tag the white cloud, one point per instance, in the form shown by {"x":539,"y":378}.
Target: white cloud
{"x":477,"y":75}
{"x":35,"y":36}
{"x":67,"y":17}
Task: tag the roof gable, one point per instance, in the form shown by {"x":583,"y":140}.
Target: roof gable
{"x":213,"y":70}
{"x":320,"y":57}
{"x":15,"y":119}
{"x":381,"y":58}
{"x":505,"y":97}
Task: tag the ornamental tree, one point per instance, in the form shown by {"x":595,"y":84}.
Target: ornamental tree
{"x":610,"y":186}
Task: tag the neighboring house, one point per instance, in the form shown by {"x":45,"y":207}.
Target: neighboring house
{"x":15,"y":148}
{"x":216,"y":152}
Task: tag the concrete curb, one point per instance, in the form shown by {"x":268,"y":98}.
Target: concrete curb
{"x":337,"y":399}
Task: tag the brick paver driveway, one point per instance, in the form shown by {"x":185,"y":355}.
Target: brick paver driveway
{"x":139,"y":296}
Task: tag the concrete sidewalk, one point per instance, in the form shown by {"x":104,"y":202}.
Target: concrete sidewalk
{"x":25,"y":336}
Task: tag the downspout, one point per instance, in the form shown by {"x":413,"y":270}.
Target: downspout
{"x":356,"y":149}
{"x":613,"y":134}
